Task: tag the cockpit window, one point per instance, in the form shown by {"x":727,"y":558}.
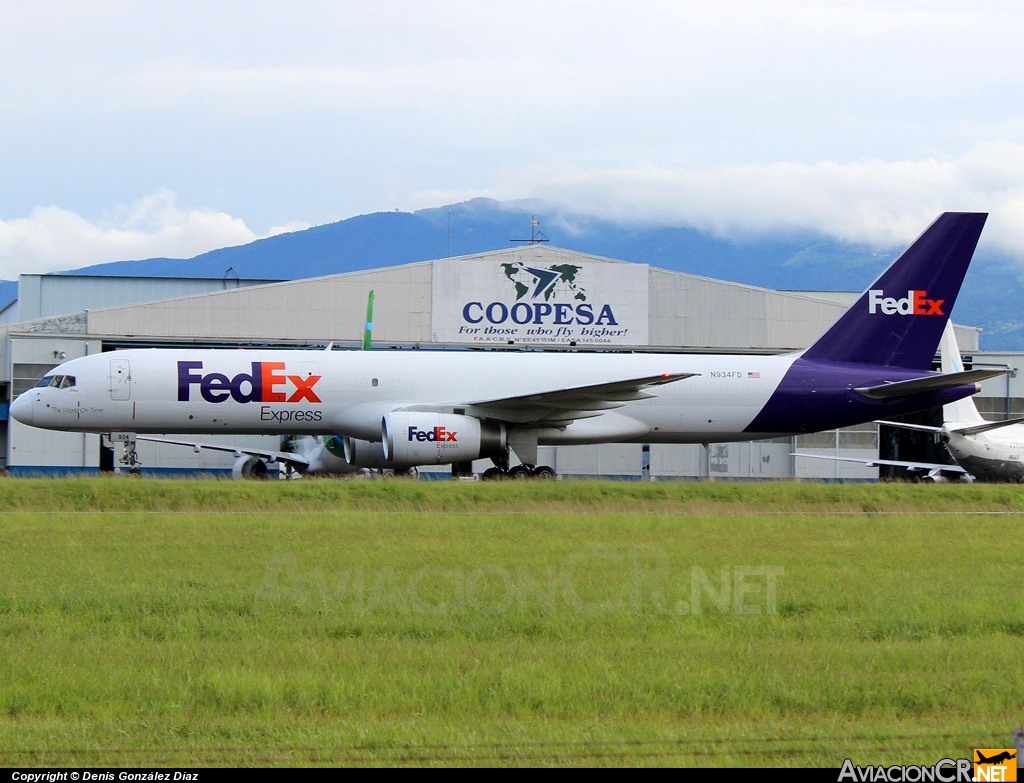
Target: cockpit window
{"x":56,"y":381}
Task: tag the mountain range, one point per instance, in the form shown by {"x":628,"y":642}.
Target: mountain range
{"x":797,"y":261}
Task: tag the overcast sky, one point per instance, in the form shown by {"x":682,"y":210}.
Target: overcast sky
{"x":139,"y":129}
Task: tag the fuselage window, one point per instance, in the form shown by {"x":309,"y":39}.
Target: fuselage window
{"x":45,"y":381}
{"x":67,"y":382}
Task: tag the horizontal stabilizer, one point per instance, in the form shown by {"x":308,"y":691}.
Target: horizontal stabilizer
{"x":904,"y":426}
{"x":929,"y":383}
{"x":974,"y":429}
{"x":967,"y":429}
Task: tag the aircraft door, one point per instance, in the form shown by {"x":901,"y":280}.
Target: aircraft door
{"x":120,"y":379}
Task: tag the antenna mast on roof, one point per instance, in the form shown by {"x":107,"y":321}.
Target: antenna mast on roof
{"x":536,"y":235}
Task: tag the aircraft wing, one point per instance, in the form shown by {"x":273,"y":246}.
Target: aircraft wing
{"x":934,"y":470}
{"x":284,"y":457}
{"x":927,"y":383}
{"x":560,"y":406}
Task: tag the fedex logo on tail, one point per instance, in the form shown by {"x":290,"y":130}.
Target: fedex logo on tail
{"x":435,"y":435}
{"x":266,"y":383}
{"x":915,"y":303}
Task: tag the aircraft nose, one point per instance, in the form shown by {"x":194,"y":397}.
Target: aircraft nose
{"x":21,"y":408}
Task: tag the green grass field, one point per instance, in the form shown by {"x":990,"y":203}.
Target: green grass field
{"x":148,"y":622}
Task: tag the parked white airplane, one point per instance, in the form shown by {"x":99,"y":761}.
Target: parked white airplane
{"x":408,"y":408}
{"x":988,"y":451}
{"x":316,"y":455}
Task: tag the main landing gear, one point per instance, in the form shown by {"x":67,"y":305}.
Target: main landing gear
{"x":520,"y":471}
{"x":524,"y":470}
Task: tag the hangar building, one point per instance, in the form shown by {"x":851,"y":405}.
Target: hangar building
{"x":531,"y":297}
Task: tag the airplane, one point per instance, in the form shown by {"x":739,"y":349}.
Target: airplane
{"x":410,"y":408}
{"x":986,"y":451}
{"x":999,"y":758}
{"x":301,"y":455}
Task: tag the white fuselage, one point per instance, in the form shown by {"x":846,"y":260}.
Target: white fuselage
{"x":996,"y":455}
{"x":347,"y":392}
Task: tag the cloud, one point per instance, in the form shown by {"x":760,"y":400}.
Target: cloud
{"x":874,"y":201}
{"x":886,"y":203}
{"x":54,"y":239}
{"x":862,"y":119}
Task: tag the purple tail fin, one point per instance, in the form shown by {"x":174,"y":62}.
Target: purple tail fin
{"x":898,"y":320}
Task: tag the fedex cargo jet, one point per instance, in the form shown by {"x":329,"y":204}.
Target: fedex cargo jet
{"x":400,"y":409}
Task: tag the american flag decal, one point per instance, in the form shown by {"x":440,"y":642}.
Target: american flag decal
{"x":753,"y":375}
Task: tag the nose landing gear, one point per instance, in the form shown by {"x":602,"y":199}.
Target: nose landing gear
{"x":129,"y":456}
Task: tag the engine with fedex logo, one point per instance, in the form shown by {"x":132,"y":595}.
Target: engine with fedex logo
{"x":423,"y":438}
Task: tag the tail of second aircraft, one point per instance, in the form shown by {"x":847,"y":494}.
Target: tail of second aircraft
{"x":898,"y":320}
{"x":963,"y":411}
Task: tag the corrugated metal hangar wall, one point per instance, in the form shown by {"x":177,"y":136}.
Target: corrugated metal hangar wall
{"x":488,"y":301}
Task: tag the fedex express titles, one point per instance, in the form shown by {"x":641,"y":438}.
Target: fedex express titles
{"x":267,"y":383}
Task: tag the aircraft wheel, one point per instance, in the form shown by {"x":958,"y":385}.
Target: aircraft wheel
{"x":494,"y":474}
{"x":405,"y":473}
{"x":520,"y":472}
{"x":543,"y":472}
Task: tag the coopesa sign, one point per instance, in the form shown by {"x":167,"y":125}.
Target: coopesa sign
{"x":541,"y":313}
{"x":540,"y":298}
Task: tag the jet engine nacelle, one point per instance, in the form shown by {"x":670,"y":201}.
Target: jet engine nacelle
{"x":421,"y":438}
{"x":248,"y":467}
{"x":370,"y":454}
